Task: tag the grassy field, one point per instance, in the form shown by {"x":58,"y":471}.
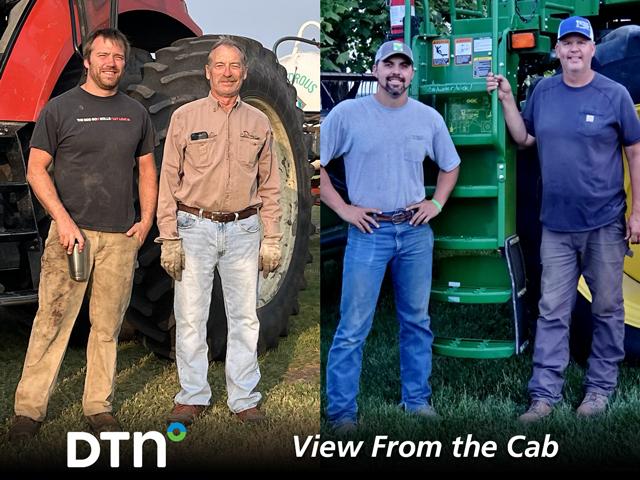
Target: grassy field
{"x":479,"y":397}
{"x":145,"y":386}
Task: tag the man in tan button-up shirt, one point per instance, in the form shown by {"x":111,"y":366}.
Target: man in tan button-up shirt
{"x":218,"y":172}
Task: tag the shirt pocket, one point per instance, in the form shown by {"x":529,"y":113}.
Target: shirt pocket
{"x":414,"y":149}
{"x":249,"y":148}
{"x":590,"y":123}
{"x":201,"y":152}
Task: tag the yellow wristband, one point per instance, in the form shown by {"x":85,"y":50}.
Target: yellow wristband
{"x":437,"y":204}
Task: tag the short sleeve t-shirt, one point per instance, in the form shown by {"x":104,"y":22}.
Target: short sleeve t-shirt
{"x":384,"y":148}
{"x":579,"y":133}
{"x":94,"y":142}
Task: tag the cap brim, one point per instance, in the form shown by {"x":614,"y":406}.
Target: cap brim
{"x":393,"y":54}
{"x":566,"y":34}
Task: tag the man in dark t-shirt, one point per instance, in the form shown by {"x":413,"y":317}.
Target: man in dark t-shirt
{"x":579,"y":121}
{"x":93,"y":136}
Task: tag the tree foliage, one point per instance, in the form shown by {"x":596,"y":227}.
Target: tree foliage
{"x":352,"y":30}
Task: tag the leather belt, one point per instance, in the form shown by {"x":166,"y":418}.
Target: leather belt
{"x":222,"y":217}
{"x":399,"y":216}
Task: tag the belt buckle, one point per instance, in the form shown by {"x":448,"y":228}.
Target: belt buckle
{"x":399,"y":216}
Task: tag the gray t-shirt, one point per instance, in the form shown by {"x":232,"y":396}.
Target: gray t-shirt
{"x":384,"y":148}
{"x":94,"y":142}
{"x":579,"y":133}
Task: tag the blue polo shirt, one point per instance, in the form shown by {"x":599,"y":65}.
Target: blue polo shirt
{"x":579,"y":134}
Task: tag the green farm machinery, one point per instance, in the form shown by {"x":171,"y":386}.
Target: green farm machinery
{"x":489,"y":235}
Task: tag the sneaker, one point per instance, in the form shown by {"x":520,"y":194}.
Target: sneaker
{"x":23,"y":428}
{"x":594,"y":404}
{"x":251,"y":415}
{"x":538,"y":410}
{"x":345,"y":428}
{"x":185,"y":414}
{"x":103,"y":422}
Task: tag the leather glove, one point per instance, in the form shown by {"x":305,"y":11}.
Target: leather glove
{"x":269,"y":256}
{"x":172,"y":258}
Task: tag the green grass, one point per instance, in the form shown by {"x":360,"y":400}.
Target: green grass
{"x":479,"y":397}
{"x":146,"y":385}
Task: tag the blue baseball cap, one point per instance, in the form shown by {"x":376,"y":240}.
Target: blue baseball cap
{"x":394,"y":47}
{"x":578,"y":25}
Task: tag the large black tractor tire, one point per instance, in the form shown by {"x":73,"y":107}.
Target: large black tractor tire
{"x":175,"y":78}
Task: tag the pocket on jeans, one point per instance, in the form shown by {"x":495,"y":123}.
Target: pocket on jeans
{"x":185,"y":220}
{"x":250,"y":224}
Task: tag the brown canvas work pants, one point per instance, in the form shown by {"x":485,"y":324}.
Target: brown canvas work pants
{"x":112,"y":263}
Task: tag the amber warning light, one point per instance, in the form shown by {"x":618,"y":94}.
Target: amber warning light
{"x":520,"y":41}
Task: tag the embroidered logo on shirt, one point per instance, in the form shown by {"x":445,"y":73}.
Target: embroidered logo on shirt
{"x":246,"y":134}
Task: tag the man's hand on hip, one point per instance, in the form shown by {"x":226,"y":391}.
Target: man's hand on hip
{"x":270,"y":255}
{"x":425,"y":211}
{"x":140,"y":230}
{"x":359,"y":217}
{"x":172,"y":258}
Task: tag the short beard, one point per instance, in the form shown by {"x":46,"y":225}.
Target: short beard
{"x":393,"y":92}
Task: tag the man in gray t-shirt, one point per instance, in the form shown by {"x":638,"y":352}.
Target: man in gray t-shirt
{"x":384,"y":139}
{"x":579,"y":121}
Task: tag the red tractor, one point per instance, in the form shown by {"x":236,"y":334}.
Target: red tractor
{"x":40,"y":59}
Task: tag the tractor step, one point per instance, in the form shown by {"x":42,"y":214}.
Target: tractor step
{"x":471,"y":295}
{"x":473,"y":348}
{"x":471,"y":279}
{"x":23,"y":297}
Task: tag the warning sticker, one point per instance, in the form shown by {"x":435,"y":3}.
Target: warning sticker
{"x":481,"y":67}
{"x":463,"y":51}
{"x":482,"y":44}
{"x":440,"y":53}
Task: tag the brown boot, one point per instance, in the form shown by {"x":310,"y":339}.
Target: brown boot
{"x":594,"y":404}
{"x":103,"y":422}
{"x":538,"y":410}
{"x":251,"y":415}
{"x":185,"y":414}
{"x":23,"y":428}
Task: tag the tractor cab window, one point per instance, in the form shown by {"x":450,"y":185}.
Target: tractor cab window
{"x":10,"y":13}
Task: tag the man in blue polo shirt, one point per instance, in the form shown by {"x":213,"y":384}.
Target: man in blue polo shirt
{"x":384,"y":139}
{"x":579,"y":121}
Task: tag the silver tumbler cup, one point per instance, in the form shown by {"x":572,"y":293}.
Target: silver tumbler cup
{"x":79,"y":263}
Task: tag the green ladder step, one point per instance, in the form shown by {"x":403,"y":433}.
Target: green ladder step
{"x":447,"y":242}
{"x":470,"y":294}
{"x":473,"y":348}
{"x":468,"y":191}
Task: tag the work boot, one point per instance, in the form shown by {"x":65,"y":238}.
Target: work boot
{"x":251,"y":415}
{"x":538,"y":410}
{"x":345,"y":428}
{"x":425,"y":411}
{"x":103,"y":422}
{"x":23,"y":428}
{"x":185,"y":414}
{"x":594,"y":404}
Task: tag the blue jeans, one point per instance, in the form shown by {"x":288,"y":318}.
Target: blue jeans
{"x":598,"y":255}
{"x":233,"y":247}
{"x":409,"y":251}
